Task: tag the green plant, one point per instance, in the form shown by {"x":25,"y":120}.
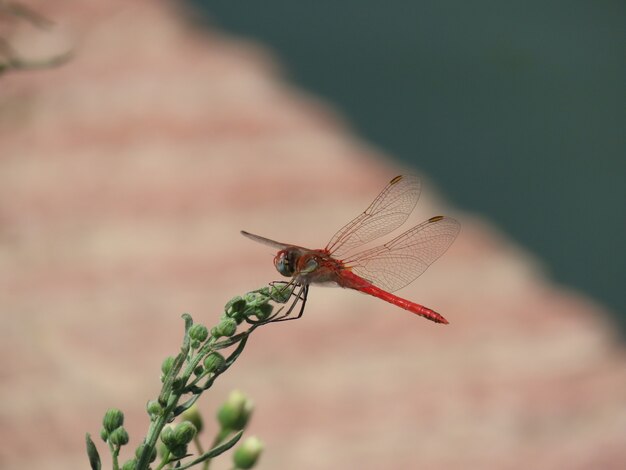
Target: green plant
{"x":185,"y":377}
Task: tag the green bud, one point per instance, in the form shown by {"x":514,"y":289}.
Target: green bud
{"x":130,"y":465}
{"x":280,"y":293}
{"x":104,"y":434}
{"x":178,"y":384}
{"x":215,"y":333}
{"x":166,"y":365}
{"x":154,"y":408}
{"x":264,"y":291}
{"x":195,"y":344}
{"x":139,"y":451}
{"x":119,"y":437}
{"x":235,"y":412}
{"x":113,"y":419}
{"x":184,"y":433}
{"x":248,"y":453}
{"x":234,"y":306}
{"x":198,"y":332}
{"x":178,"y":451}
{"x":167,"y":436}
{"x":198,"y":370}
{"x":193,"y":416}
{"x":254,"y":299}
{"x":263,"y":311}
{"x":214,"y":362}
{"x":227,"y":327}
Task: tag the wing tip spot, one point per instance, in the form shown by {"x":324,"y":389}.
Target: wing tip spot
{"x":437,"y":218}
{"x":396,"y":179}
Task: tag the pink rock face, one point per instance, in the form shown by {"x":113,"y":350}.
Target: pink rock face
{"x":125,"y":177}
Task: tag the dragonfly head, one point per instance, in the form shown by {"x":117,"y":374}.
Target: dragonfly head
{"x":285,"y":262}
{"x":293,"y":261}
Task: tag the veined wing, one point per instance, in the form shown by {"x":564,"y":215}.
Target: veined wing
{"x":386,"y":213}
{"x":402,"y":260}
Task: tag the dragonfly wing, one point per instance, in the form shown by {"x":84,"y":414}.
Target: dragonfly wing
{"x":398,"y":263}
{"x":388,"y":211}
{"x":265,"y":241}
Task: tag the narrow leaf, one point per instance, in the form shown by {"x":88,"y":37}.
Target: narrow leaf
{"x":92,"y":453}
{"x":185,"y":406}
{"x":215,"y":451}
{"x":220,"y":449}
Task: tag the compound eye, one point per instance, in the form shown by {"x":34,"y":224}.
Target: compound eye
{"x":283,"y":264}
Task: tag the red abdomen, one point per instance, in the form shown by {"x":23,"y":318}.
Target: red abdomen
{"x":352,"y":281}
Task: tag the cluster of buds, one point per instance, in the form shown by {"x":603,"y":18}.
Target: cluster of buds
{"x":176,"y":438}
{"x":255,"y":306}
{"x":113,"y":430}
{"x":186,"y":376}
{"x":233,"y":417}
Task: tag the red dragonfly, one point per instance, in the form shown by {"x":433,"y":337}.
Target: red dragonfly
{"x":377,"y":271}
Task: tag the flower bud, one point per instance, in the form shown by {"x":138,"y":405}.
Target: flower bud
{"x":166,"y":365}
{"x":214,"y":362}
{"x":234,"y":306}
{"x":264,"y":291}
{"x":167,"y":436}
{"x":198,"y":332}
{"x":154,"y":408}
{"x":263,"y":311}
{"x":113,"y":419}
{"x":178,"y":384}
{"x":119,"y":437}
{"x":184,"y":433}
{"x":248,"y":453}
{"x":235,"y":412}
{"x":104,"y":434}
{"x":139,"y":451}
{"x":280,"y":293}
{"x":130,"y":465}
{"x":253,"y":299}
{"x":178,"y":451}
{"x":193,"y":416}
{"x":227,"y":327}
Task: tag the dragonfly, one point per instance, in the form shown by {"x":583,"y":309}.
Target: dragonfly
{"x":377,"y":271}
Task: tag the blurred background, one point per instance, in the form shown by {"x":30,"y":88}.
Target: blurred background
{"x":127,"y":172}
{"x":516,"y":110}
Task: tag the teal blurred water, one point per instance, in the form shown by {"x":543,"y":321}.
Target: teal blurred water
{"x":516,"y":109}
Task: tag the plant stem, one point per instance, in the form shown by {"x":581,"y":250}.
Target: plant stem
{"x":165,"y":460}
{"x":115,"y":451}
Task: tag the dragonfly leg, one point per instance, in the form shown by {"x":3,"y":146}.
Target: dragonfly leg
{"x":279,"y":315}
{"x":301,"y":297}
{"x":284,"y":287}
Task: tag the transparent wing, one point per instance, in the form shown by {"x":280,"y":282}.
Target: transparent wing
{"x":265,"y":241}
{"x":398,"y":263}
{"x":388,"y":211}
